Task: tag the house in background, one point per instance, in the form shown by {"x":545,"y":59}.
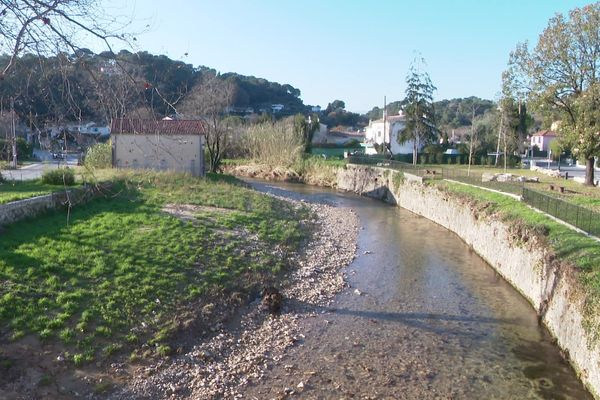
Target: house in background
{"x":337,"y":136}
{"x":542,"y":139}
{"x":380,"y":132}
{"x":277,"y":107}
{"x":167,"y":145}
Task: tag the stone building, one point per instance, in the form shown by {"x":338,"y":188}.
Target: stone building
{"x":165,"y":145}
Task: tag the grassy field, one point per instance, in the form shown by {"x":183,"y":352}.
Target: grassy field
{"x":568,"y":245}
{"x":575,"y":192}
{"x":123,"y":268}
{"x":13,"y":191}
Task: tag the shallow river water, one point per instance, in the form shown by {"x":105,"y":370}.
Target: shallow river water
{"x":425,"y":317}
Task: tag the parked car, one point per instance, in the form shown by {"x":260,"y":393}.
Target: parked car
{"x":58,"y":156}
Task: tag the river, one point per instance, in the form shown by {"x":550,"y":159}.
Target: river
{"x":424,"y":317}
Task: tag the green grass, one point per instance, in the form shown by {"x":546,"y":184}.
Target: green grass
{"x":575,"y":192}
{"x":119,"y":271}
{"x":13,"y":191}
{"x":568,"y":245}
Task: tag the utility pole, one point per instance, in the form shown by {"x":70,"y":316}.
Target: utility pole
{"x":385,"y":144}
{"x":500,"y":127}
{"x":14,"y":133}
{"x":472,"y":138}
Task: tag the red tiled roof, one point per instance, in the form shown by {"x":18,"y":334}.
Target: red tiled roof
{"x":163,"y":127}
{"x":545,"y":133}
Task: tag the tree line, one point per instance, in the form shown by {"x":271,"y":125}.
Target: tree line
{"x":86,"y":86}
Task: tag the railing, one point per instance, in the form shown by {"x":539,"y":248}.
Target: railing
{"x":583,"y":218}
{"x":486,"y":180}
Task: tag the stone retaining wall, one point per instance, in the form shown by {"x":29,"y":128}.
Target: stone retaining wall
{"x":34,"y":206}
{"x":551,"y":290}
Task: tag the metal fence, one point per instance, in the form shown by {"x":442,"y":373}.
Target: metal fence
{"x":583,"y":218}
{"x":500,"y":183}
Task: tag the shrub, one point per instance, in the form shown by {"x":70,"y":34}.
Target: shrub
{"x":60,"y":176}
{"x":99,"y":156}
{"x":439,"y":158}
{"x":352,"y":143}
{"x":274,"y":144}
{"x":24,"y":149}
{"x":406,"y":158}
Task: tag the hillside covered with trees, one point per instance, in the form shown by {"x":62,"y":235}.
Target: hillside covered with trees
{"x":87,"y":86}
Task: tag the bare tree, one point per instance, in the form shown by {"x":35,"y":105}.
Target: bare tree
{"x":472,"y":138}
{"x":51,"y":26}
{"x":209,"y":100}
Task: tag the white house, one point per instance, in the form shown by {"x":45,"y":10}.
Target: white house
{"x":379,"y":132}
{"x":542,"y":139}
{"x":88,"y":128}
{"x":91,"y":128}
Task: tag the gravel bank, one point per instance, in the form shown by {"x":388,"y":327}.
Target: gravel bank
{"x":222,"y":366}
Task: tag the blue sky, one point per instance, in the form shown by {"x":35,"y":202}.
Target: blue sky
{"x":356,"y":51}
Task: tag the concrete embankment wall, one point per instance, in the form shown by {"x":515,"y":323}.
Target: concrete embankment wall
{"x":32,"y":207}
{"x":532,"y":270}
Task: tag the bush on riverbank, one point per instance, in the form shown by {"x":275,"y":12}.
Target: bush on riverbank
{"x":275,"y":144}
{"x":312,"y":170}
{"x":59,"y":176}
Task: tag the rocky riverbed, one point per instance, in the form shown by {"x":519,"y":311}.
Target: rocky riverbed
{"x":242,"y":352}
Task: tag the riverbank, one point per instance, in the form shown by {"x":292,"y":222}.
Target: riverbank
{"x":553,"y":267}
{"x":521,"y":252}
{"x":242,"y":352}
{"x":151,"y":272}
{"x":313,"y":171}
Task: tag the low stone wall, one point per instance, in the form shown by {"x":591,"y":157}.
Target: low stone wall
{"x":32,"y":207}
{"x":532,"y":270}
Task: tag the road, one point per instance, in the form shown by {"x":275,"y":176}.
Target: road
{"x":573,"y":170}
{"x":35,"y":170}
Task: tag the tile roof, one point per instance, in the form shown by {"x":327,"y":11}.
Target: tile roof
{"x":163,"y":127}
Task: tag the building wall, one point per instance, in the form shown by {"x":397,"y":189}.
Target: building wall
{"x":542,"y":142}
{"x":181,"y":153}
{"x":374,"y":133}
